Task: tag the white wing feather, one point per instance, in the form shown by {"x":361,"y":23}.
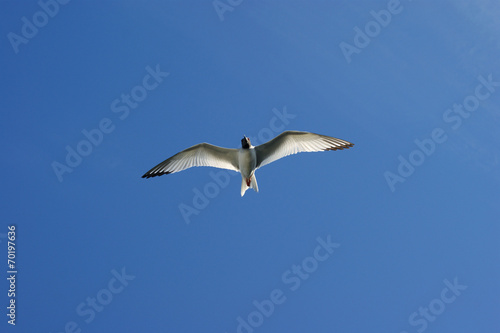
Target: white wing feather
{"x":203,"y":154}
{"x":293,"y":142}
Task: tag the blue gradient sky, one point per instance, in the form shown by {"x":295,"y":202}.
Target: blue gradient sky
{"x":397,"y":234}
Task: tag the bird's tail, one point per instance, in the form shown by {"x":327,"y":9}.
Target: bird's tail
{"x":249,"y":183}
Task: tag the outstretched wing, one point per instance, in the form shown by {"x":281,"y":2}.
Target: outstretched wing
{"x":293,"y":142}
{"x":203,"y":154}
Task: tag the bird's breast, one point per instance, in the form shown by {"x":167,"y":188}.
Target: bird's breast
{"x":247,"y":160}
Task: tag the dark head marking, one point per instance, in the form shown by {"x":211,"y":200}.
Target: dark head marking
{"x":245,"y":143}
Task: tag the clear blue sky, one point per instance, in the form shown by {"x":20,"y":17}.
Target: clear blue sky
{"x":397,"y":234}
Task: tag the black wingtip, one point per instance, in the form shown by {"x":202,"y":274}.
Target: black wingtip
{"x":341,"y":147}
{"x":151,"y":175}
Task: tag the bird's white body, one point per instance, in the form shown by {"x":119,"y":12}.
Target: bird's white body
{"x":248,"y":158}
{"x":247,"y":162}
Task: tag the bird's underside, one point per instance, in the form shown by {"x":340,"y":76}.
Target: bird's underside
{"x":248,"y":158}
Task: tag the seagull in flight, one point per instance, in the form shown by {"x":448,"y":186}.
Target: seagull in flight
{"x":248,"y":158}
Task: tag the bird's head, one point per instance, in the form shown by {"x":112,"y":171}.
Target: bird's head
{"x":245,"y":143}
